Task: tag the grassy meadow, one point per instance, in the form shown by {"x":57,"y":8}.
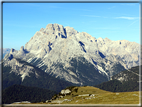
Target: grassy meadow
{"x":93,"y":95}
{"x":99,"y":97}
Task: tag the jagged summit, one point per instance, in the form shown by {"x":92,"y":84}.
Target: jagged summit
{"x":22,"y":48}
{"x":75,"y":56}
{"x":12,"y":50}
{"x":55,"y":34}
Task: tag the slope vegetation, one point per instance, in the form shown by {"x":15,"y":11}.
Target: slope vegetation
{"x":124,"y":81}
{"x":18,"y":93}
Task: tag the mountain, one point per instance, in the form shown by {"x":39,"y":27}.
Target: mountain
{"x":18,"y":93}
{"x":76,"y":57}
{"x":23,"y":73}
{"x":5,"y":51}
{"x":124,"y":81}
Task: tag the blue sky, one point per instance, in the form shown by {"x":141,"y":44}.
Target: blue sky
{"x":116,"y":21}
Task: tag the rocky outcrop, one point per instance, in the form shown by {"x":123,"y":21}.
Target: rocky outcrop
{"x":19,"y":68}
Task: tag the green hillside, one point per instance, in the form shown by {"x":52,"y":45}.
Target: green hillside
{"x":93,"y":95}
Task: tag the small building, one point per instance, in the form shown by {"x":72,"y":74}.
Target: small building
{"x":66,"y":91}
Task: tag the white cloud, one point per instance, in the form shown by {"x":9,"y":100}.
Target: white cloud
{"x":128,"y":18}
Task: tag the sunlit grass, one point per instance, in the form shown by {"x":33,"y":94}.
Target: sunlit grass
{"x":101,"y":97}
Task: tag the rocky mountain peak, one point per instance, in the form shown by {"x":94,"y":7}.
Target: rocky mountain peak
{"x":52,"y":32}
{"x":106,"y":39}
{"x":55,"y":37}
{"x":56,"y":30}
{"x":62,"y":52}
{"x":100,"y":39}
{"x":55,"y":27}
{"x":22,"y":48}
{"x":70,"y":31}
{"x":12,"y":50}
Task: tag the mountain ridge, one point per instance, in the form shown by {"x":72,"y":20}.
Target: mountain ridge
{"x":124,"y":81}
{"x":58,"y":45}
{"x":28,"y":75}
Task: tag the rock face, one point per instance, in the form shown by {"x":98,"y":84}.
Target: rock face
{"x":77,"y":57}
{"x":20,"y":72}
